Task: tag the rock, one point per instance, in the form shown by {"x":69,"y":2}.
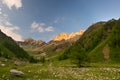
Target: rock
{"x":16,"y":73}
{"x":19,"y":63}
{"x":2,"y":65}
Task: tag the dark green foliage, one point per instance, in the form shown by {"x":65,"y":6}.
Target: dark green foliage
{"x":9,"y":48}
{"x":42,"y":59}
{"x":65,"y":54}
{"x":32,"y":59}
{"x":0,"y":53}
{"x":115,"y":36}
{"x":78,"y":56}
{"x":115,"y":42}
{"x":14,"y":48}
{"x":5,"y":55}
{"x":115,"y":55}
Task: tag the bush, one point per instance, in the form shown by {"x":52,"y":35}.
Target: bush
{"x":32,"y":59}
{"x":42,"y":59}
{"x":64,"y":55}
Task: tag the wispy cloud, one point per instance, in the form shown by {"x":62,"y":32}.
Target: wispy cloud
{"x":59,"y":19}
{"x":3,"y":15}
{"x":41,"y":27}
{"x":0,"y":11}
{"x":10,"y":30}
{"x":34,"y":25}
{"x":49,"y":29}
{"x":5,"y":26}
{"x":10,"y":3}
{"x":56,"y":20}
{"x":8,"y":23}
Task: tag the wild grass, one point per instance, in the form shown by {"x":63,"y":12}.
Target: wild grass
{"x":62,"y":71}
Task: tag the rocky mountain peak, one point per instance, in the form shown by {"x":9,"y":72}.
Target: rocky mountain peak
{"x":65,"y":36}
{"x":29,"y":40}
{"x":61,"y":36}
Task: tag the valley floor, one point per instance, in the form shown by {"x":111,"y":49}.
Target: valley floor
{"x":52,"y":71}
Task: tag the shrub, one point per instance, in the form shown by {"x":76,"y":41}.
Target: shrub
{"x":32,"y":59}
{"x":42,"y":59}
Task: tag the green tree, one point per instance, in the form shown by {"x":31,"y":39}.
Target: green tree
{"x":32,"y":59}
{"x":79,"y":56}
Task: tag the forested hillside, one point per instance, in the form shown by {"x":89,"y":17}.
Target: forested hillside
{"x":100,"y":43}
{"x":10,"y":49}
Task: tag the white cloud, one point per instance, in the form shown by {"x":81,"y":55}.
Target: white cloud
{"x":5,"y":26}
{"x":34,"y":25}
{"x":41,"y":27}
{"x":8,"y":23}
{"x":0,"y":11}
{"x":49,"y":29}
{"x":42,"y":24}
{"x":10,"y":30}
{"x":11,"y":3}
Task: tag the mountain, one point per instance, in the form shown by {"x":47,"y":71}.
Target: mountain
{"x":31,"y":42}
{"x":63,"y":41}
{"x":99,"y":43}
{"x":65,"y":36}
{"x":56,"y":45}
{"x":10,"y":49}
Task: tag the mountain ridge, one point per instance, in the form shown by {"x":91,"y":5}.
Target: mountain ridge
{"x":65,"y":36}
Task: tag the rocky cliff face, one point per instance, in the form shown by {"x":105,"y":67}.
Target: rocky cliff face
{"x":65,"y":36}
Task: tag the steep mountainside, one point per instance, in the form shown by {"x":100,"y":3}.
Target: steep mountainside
{"x":10,"y":49}
{"x":100,"y":42}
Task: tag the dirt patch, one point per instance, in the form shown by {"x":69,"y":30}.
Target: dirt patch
{"x":106,"y":51}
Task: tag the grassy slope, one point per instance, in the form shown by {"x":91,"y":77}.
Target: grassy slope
{"x":114,"y":53}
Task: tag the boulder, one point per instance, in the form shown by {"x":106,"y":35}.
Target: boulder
{"x":16,"y":73}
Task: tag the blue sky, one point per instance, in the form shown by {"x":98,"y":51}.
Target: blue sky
{"x":44,"y":19}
